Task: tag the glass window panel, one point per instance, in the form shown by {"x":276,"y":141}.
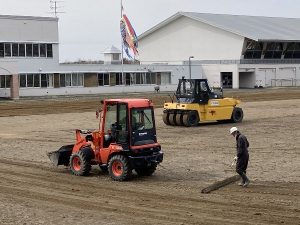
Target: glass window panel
{"x":80,"y":79}
{"x":22,"y":50}
{"x":36,"y":80}
{"x":116,"y":56}
{"x":29,"y":80}
{"x":42,"y":50}
{"x":29,"y":50}
{"x":36,"y":50}
{"x":153,"y":78}
{"x":44,"y":82}
{"x":148,"y":78}
{"x":62,"y":80}
{"x":15,"y":49}
{"x":100,"y":79}
{"x":7,"y":47}
{"x":119,"y":80}
{"x":7,"y":81}
{"x":68,"y":79}
{"x":106,"y":79}
{"x":1,"y":50}
{"x":22,"y":80}
{"x":49,"y":50}
{"x":2,"y":81}
{"x":74,"y":79}
{"x":50,"y":80}
{"x":138,"y":78}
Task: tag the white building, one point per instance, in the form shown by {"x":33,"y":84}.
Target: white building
{"x":233,"y":51}
{"x":230,"y":51}
{"x":29,"y":65}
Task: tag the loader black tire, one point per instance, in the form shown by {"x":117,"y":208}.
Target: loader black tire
{"x":179,"y":121}
{"x":119,"y":168}
{"x":146,"y":171}
{"x":237,"y":115}
{"x":166,"y":118}
{"x":172,"y":119}
{"x":190,"y":119}
{"x":80,"y":164}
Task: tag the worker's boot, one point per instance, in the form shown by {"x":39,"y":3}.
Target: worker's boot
{"x":247,"y":182}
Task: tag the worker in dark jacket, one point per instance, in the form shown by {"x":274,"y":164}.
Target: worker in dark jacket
{"x":242,"y":155}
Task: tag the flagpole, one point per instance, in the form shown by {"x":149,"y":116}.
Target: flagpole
{"x":122,"y":47}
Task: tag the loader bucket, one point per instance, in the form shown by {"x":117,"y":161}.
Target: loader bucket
{"x":61,"y":156}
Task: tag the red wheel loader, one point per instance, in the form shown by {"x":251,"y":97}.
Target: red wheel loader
{"x":126,"y":141}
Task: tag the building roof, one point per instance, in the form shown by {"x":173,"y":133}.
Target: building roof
{"x":258,"y":28}
{"x":112,"y":50}
{"x":16,"y":17}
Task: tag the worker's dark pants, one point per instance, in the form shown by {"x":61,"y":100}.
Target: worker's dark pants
{"x":241,"y":167}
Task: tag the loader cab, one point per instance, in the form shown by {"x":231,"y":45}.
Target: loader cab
{"x":194,"y":91}
{"x":115,"y":124}
{"x":128,"y":124}
{"x":142,"y":126}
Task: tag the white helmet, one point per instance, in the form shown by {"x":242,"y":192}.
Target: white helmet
{"x":233,"y":129}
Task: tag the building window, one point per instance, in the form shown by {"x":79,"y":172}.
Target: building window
{"x":273,"y":50}
{"x":119,"y":79}
{"x":29,"y":50}
{"x":1,"y":50}
{"x":35,"y":50}
{"x":42,"y":50}
{"x":166,"y":78}
{"x":70,"y":80}
{"x":292,"y":51}
{"x":49,"y":51}
{"x":77,"y":79}
{"x":21,"y":50}
{"x":15,"y":49}
{"x":46,"y":80}
{"x":29,"y":80}
{"x":116,"y":56}
{"x":62,"y":80}
{"x":36,"y":80}
{"x":5,"y":81}
{"x":7,"y":49}
{"x":253,"y":50}
{"x":103,"y":79}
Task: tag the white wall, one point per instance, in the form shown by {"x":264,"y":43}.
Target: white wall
{"x":28,"y":29}
{"x":213,"y":73}
{"x":92,"y":90}
{"x":185,"y":37}
{"x":265,"y":73}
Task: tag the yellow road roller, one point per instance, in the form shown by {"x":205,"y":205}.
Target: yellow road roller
{"x":195,"y":102}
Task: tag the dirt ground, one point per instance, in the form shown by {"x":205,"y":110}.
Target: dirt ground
{"x":32,"y":191}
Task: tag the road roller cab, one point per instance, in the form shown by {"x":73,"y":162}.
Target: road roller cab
{"x":125,"y":141}
{"x":195,"y":101}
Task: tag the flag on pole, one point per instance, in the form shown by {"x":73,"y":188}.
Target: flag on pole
{"x":129,"y":36}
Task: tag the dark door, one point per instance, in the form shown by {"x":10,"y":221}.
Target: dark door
{"x":226,"y":79}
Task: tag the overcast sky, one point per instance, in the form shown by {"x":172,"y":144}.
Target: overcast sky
{"x":88,"y":27}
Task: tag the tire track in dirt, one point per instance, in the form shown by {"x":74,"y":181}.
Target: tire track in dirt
{"x":33,"y":181}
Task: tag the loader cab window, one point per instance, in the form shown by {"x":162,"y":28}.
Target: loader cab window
{"x":186,"y":88}
{"x":142,"y":119}
{"x":111,"y":117}
{"x":142,"y":123}
{"x":122,"y":128}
